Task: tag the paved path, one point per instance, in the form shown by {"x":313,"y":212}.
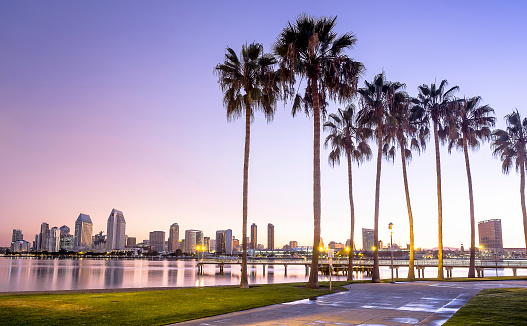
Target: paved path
{"x":366,"y":304}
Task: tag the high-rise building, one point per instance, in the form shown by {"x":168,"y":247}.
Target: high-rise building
{"x":293,"y":244}
{"x":43,"y":243}
{"x":367,"y":239}
{"x":66,"y":239}
{"x":193,"y":238}
{"x":270,"y":236}
{"x":53,"y":239}
{"x":17,"y":235}
{"x":83,"y":232}
{"x":99,"y":242}
{"x":173,"y":238}
{"x":116,"y":229}
{"x":224,"y":242}
{"x":131,"y":242}
{"x":157,"y":241}
{"x":254,"y":236}
{"x":206,"y":243}
{"x":490,"y":236}
{"x":64,"y":230}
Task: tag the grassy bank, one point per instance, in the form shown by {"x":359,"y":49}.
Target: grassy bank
{"x":146,"y":307}
{"x":493,"y":307}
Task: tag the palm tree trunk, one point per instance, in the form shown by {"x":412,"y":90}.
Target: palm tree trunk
{"x":411,"y":271}
{"x":472,"y":262}
{"x":522,"y":197}
{"x":439,"y":207}
{"x":376,"y":274}
{"x":313,"y":273}
{"x":244,"y":284}
{"x":352,"y":213}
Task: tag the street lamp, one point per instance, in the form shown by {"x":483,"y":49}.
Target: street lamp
{"x":390,"y":227}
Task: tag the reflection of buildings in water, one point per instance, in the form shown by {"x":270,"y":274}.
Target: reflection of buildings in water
{"x":113,"y":276}
{"x":270,"y":276}
{"x":172,"y":276}
{"x":155,"y":277}
{"x":81,"y":276}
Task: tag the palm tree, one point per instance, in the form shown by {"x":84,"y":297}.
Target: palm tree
{"x":433,"y":106}
{"x":407,"y":134}
{"x":310,"y":48}
{"x":469,"y":124}
{"x":248,"y":83}
{"x":510,"y":146}
{"x":374,"y":98}
{"x":347,"y":138}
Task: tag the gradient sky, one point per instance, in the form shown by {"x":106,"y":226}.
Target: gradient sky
{"x":114,"y":105}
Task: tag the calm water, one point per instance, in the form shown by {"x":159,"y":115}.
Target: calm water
{"x":30,"y":274}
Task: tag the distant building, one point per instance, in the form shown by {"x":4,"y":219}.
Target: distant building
{"x":490,"y":236}
{"x":131,"y":242}
{"x":206,"y":243}
{"x":43,"y":241}
{"x":212,"y":245}
{"x":157,"y":241}
{"x":99,"y":242}
{"x":335,"y":245}
{"x":235,"y":243}
{"x":254,"y":236}
{"x":83,"y":233}
{"x":260,"y":246}
{"x":270,"y":236}
{"x":53,"y":239}
{"x":293,"y":244}
{"x":20,"y":246}
{"x":116,"y":231}
{"x":224,"y":242}
{"x":367,"y":239}
{"x":193,"y":238}
{"x":17,"y":235}
{"x":173,"y":238}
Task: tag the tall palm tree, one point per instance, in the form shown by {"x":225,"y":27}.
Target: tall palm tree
{"x":347,"y":138}
{"x":310,"y":48}
{"x":511,"y":147}
{"x":375,"y":98}
{"x":408,"y":135}
{"x":248,"y":83}
{"x":433,"y":106}
{"x":468,"y":124}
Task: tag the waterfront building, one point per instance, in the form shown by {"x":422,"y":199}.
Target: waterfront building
{"x":270,"y":236}
{"x":43,"y":243}
{"x":17,"y":235}
{"x":20,"y":246}
{"x":206,"y":243}
{"x":490,"y":236}
{"x":293,"y":244}
{"x":173,"y":238}
{"x":193,"y":238}
{"x":235,"y":243}
{"x":367,"y":239}
{"x":53,"y":239}
{"x":116,"y":231}
{"x":157,"y":241}
{"x":36,"y":243}
{"x":336,"y":245}
{"x":83,"y":232}
{"x":66,"y":239}
{"x":131,"y":242}
{"x":224,"y":242}
{"x":99,"y":242}
{"x":254,"y":236}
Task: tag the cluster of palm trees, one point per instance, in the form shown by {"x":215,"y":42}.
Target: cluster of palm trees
{"x":308,"y":53}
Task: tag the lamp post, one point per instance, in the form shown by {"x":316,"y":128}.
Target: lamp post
{"x":390,"y":227}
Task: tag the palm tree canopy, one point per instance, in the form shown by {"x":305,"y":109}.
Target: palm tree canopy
{"x":311,"y":49}
{"x":510,"y":144}
{"x":345,"y":135}
{"x":470,"y":120}
{"x":248,"y":81}
{"x":402,"y":128}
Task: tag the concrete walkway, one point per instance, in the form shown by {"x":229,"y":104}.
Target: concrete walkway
{"x":367,"y":304}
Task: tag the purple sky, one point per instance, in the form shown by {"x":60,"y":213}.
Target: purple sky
{"x":114,"y":105}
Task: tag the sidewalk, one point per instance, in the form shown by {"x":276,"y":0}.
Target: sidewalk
{"x":367,"y":304}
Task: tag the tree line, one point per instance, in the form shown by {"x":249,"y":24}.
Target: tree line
{"x":308,"y":68}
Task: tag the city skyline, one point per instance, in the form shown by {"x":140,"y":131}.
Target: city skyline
{"x":101,"y":115}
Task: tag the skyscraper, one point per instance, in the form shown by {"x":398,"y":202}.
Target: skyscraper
{"x":270,"y":236}
{"x":490,"y":236}
{"x":53,"y":239}
{"x":193,"y":238}
{"x":157,"y":241}
{"x":367,"y":239}
{"x":83,"y":232}
{"x":115,"y":239}
{"x":254,"y":236}
{"x":173,"y":238}
{"x":224,"y":242}
{"x":17,"y":235}
{"x":66,"y":239}
{"x":43,"y":243}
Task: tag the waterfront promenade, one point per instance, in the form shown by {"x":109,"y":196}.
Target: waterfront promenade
{"x":371,"y":304}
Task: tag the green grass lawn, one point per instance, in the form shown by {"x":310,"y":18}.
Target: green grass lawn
{"x":494,"y":307}
{"x":146,"y":307}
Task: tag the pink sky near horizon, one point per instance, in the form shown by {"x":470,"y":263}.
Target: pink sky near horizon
{"x":115,"y":105}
